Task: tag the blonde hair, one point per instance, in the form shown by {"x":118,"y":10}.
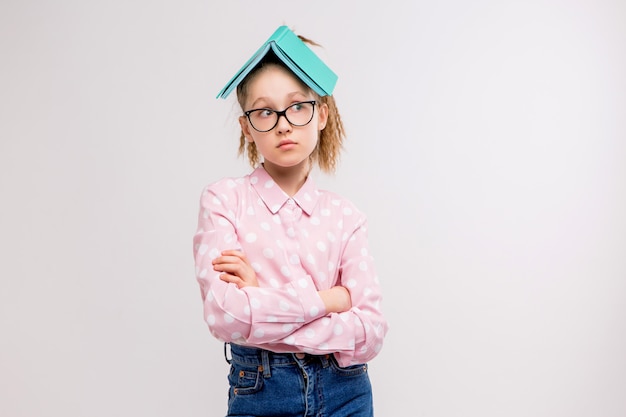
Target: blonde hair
{"x":326,"y":153}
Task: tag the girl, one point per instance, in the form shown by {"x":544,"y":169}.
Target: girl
{"x":286,"y":277}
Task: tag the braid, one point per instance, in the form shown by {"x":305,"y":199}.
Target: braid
{"x":330,"y":144}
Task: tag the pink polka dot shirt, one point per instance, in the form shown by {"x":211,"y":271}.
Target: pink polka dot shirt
{"x":297,"y":246}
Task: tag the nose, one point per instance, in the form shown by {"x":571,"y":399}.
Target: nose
{"x":283,"y":124}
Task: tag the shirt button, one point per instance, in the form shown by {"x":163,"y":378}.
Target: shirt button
{"x":290,"y":202}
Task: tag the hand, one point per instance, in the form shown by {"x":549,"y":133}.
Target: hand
{"x":336,"y":299}
{"x":236,"y":269}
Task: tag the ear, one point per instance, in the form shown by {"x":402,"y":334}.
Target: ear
{"x":322,"y":115}
{"x":245,"y":128}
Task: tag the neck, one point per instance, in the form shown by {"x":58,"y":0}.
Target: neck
{"x":289,"y":179}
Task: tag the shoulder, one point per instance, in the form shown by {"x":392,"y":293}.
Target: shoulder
{"x":226,"y":189}
{"x":342,"y":206}
{"x":228,"y":183}
{"x":332,"y":198}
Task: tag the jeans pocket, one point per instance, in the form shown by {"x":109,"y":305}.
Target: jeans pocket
{"x":245,"y":381}
{"x":352,"y":370}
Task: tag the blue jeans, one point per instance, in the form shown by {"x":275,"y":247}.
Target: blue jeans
{"x":264,"y":383}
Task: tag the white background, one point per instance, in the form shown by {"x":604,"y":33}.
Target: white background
{"x":486,"y":143}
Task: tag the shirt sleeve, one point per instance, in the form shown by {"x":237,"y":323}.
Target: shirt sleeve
{"x":355,"y":336}
{"x":249,"y":315}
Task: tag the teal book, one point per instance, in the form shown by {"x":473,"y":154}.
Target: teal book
{"x":297,"y":56}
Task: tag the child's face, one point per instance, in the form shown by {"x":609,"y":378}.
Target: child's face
{"x":285,"y":145}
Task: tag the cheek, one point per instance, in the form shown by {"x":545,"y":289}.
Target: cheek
{"x":260,"y":143}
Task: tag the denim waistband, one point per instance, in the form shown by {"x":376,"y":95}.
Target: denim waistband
{"x":246,"y":355}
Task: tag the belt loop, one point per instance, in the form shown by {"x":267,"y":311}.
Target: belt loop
{"x":229,"y":361}
{"x":265,"y":361}
{"x":325,"y":359}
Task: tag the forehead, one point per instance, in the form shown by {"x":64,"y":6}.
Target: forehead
{"x":274,"y":82}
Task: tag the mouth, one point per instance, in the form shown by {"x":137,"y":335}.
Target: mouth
{"x":284,"y":144}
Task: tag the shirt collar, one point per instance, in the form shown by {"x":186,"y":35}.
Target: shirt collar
{"x":274,"y":197}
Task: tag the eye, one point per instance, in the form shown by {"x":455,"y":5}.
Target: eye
{"x":265,"y":113}
{"x":294,"y":108}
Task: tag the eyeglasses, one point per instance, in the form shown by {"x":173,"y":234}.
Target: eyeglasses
{"x":298,"y":114}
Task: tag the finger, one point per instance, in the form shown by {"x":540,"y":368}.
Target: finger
{"x":233,"y":269}
{"x":234,"y":252}
{"x":228,"y":260}
{"x":233,"y":279}
{"x":228,"y":263}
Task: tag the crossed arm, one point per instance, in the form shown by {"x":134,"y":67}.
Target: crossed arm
{"x":234,"y":267}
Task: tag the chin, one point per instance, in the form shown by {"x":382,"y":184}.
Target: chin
{"x":288,"y":164}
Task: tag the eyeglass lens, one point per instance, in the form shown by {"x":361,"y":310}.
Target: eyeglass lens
{"x":298,"y":114}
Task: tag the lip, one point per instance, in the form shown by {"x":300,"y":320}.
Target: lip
{"x":286,"y":144}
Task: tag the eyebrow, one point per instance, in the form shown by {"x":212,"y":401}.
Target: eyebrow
{"x":290,"y":96}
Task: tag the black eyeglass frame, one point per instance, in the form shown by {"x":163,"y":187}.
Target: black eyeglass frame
{"x":281,"y":113}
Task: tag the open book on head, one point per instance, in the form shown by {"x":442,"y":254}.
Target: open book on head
{"x":296,"y":55}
